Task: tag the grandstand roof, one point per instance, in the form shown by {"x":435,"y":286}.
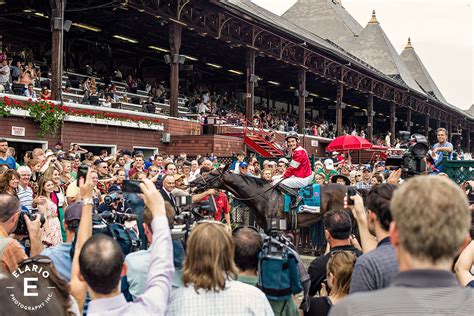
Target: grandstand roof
{"x":326,"y":18}
{"x":419,"y":72}
{"x":374,"y":47}
{"x":277,"y":21}
{"x":471,"y":110}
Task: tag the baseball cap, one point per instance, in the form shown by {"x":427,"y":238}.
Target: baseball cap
{"x":273,"y":163}
{"x":284,"y":160}
{"x":243,"y":164}
{"x":329,"y":164}
{"x":114,"y":188}
{"x":73,"y":211}
{"x":49,"y":153}
{"x":367,"y":168}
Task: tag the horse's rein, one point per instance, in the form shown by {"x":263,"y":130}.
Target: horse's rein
{"x":256,"y":196}
{"x":206,"y":185}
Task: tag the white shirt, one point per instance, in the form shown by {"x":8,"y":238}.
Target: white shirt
{"x":202,"y":108}
{"x":4,"y":78}
{"x":237,"y":299}
{"x":194,"y":174}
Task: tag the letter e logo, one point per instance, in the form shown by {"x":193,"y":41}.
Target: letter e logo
{"x":27,"y":286}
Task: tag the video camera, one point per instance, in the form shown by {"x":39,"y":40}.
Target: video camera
{"x":116,"y":217}
{"x":21,"y":228}
{"x":276,"y":225}
{"x":413,"y":161}
{"x":190,"y":213}
{"x":111,"y":198}
{"x":112,"y":224}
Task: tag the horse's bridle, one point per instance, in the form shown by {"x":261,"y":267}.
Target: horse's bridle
{"x":208,"y":183}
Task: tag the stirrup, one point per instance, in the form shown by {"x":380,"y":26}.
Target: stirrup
{"x":296,"y":201}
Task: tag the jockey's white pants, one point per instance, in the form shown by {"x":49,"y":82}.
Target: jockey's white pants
{"x":295,"y":182}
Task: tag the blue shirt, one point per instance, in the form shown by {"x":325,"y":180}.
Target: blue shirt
{"x":137,"y":268}
{"x":442,"y":153}
{"x":61,"y":258}
{"x":28,"y":94}
{"x":10,"y":161}
{"x":15,"y":71}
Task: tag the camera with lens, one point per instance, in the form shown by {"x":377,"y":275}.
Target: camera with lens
{"x":190,"y":213}
{"x":115,"y":217}
{"x":21,"y":228}
{"x":111,"y":198}
{"x":276,"y":225}
{"x":413,"y":161}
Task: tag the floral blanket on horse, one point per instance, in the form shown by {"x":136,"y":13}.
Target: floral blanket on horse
{"x":311,"y":202}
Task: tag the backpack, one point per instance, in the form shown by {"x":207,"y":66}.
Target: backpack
{"x":126,"y":237}
{"x":278,"y":274}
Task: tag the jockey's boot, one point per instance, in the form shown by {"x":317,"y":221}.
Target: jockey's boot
{"x":295,"y":197}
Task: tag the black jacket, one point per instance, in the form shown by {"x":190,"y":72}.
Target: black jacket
{"x":317,"y":268}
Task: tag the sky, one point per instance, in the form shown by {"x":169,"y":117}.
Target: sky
{"x":441,"y":32}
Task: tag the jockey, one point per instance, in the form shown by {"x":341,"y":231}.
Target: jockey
{"x":299,"y":172}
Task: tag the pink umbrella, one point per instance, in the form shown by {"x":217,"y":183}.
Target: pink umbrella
{"x":348,"y":142}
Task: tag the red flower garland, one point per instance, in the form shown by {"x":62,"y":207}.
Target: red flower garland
{"x":50,"y":107}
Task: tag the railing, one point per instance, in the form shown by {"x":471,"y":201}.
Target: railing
{"x":263,"y":138}
{"x":458,"y":170}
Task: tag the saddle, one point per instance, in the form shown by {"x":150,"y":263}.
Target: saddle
{"x":310,"y":200}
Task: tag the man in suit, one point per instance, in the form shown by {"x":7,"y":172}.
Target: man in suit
{"x":427,"y":231}
{"x":169,"y":184}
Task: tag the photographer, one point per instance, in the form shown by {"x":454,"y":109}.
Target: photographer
{"x":113,"y":201}
{"x":10,"y":249}
{"x":51,"y":161}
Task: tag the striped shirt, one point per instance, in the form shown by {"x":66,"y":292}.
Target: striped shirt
{"x":374,"y":270}
{"x":414,"y":292}
{"x":25,"y":195}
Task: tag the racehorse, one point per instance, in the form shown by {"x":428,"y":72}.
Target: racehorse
{"x":265,"y":199}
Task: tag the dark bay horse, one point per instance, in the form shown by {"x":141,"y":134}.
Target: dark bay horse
{"x":267,"y":201}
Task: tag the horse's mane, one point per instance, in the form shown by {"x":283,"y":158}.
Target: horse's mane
{"x":257,"y":181}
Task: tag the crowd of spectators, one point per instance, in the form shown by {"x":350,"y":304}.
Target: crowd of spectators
{"x":408,"y":238}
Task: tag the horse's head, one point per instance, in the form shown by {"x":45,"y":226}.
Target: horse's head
{"x":208,"y":180}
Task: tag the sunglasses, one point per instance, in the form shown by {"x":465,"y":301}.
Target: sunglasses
{"x":36,"y":260}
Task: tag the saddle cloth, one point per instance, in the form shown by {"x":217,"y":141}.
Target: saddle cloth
{"x":311,"y":202}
